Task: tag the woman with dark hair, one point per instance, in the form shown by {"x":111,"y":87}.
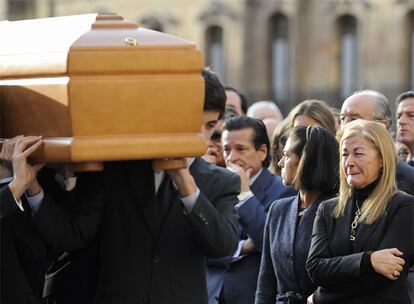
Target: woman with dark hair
{"x":283,"y":277}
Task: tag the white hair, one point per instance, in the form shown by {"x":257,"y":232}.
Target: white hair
{"x":260,"y":105}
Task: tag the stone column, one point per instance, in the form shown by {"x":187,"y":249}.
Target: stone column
{"x":3,"y":10}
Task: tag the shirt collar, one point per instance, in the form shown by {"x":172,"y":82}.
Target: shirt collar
{"x":253,"y":178}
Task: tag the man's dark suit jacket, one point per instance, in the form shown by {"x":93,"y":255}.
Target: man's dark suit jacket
{"x":69,"y":221}
{"x":334,"y":267}
{"x":65,"y":221}
{"x":239,"y":278}
{"x":146,"y":262}
{"x":14,"y":286}
{"x":405,"y":177}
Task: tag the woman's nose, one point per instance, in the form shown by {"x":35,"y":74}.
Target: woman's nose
{"x":281,"y":162}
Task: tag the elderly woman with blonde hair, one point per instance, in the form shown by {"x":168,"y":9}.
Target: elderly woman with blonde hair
{"x":362,"y":241}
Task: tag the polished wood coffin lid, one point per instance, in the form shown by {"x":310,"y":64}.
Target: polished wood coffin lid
{"x":98,"y":88}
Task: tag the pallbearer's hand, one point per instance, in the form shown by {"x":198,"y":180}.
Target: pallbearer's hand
{"x":6,"y":156}
{"x":183,"y":180}
{"x":24,"y":174}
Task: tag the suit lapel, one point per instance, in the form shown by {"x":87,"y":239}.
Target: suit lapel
{"x":261,"y":184}
{"x":170,"y":222}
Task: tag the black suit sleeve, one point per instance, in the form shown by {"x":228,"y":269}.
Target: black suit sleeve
{"x":214,"y":220}
{"x":9,"y":210}
{"x":30,"y":244}
{"x":67,"y":230}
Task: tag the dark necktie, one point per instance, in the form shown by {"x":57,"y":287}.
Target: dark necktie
{"x":165,"y":195}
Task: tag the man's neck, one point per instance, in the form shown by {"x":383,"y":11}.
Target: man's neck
{"x":308,"y":198}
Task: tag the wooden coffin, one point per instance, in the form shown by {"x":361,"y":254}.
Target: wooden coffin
{"x":98,"y":88}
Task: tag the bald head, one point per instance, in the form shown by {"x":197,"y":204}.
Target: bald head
{"x":265,"y":109}
{"x":368,"y":105}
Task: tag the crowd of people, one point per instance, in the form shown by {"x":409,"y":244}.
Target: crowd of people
{"x":316,"y":207}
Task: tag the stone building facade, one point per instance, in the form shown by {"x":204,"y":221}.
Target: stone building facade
{"x":281,"y":50}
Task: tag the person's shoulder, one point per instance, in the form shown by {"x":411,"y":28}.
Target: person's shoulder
{"x":400,"y":203}
{"x":329,"y":204}
{"x":282,"y":204}
{"x":204,"y":167}
{"x":405,"y":170}
{"x":276,"y":179}
{"x":268,"y":181}
{"x":209,"y":174}
{"x":401,"y":197}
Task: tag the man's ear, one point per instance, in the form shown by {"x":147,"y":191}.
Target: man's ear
{"x":384,"y":122}
{"x":263,"y":152}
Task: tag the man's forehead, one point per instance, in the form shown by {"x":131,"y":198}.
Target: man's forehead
{"x":211,"y":115}
{"x":244,"y":132}
{"x":358,"y":105}
{"x":407,"y":104}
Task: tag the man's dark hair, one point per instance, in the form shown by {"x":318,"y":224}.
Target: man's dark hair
{"x":318,"y":168}
{"x":259,"y":132}
{"x":403,"y":96}
{"x":243,"y":99}
{"x":214,"y":94}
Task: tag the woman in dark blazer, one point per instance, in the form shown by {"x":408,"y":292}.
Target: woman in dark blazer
{"x":283,"y":277}
{"x":362,"y":242}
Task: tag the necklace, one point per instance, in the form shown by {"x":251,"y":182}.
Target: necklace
{"x":354,"y":223}
{"x":302,"y":212}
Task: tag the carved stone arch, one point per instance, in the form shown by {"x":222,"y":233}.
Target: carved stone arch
{"x":22,"y":9}
{"x":160,"y":20}
{"x":215,"y":19}
{"x":215,"y":9}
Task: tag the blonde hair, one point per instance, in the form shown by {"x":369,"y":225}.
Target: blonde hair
{"x":376,"y":203}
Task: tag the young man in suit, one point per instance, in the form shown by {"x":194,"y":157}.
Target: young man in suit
{"x":156,"y":237}
{"x":246,"y":152}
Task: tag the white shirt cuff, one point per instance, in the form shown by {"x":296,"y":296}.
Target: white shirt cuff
{"x":6,"y":180}
{"x":190,"y":201}
{"x":239,"y":248}
{"x":241,"y":203}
